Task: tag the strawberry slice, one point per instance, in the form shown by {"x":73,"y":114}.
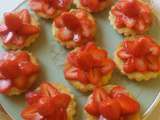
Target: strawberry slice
{"x":110,"y":109}
{"x":59,"y":115}
{"x":32,"y":97}
{"x":25,"y":16}
{"x":12,"y":21}
{"x":92,"y":4}
{"x":31,"y":113}
{"x":117,"y":90}
{"x":82,"y":77}
{"x":71,"y":21}
{"x":61,"y":100}
{"x":28,"y":68}
{"x":3,"y":29}
{"x":140,"y":64}
{"x":28,"y":29}
{"x":107,"y":66}
{"x":48,"y":89}
{"x":123,"y":54}
{"x":46,"y":106}
{"x":71,"y":73}
{"x":128,"y":105}
{"x":99,"y":95}
{"x":94,"y":76}
{"x":92,"y":108}
{"x":4,"y":85}
{"x":9,"y":69}
{"x":129,"y":66}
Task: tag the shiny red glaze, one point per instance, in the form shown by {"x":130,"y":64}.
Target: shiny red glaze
{"x":75,"y":26}
{"x":92,"y":108}
{"x":50,"y":7}
{"x":18,"y":68}
{"x":17,"y":28}
{"x":128,"y":105}
{"x":113,"y":103}
{"x":88,"y":64}
{"x":132,"y":14}
{"x":71,"y":21}
{"x":28,"y":30}
{"x":110,"y":109}
{"x":47,"y":103}
{"x":95,"y":5}
{"x":12,"y":21}
{"x":140,"y":55}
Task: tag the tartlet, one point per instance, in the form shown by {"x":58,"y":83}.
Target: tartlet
{"x":49,"y":102}
{"x":19,"y":29}
{"x":138,"y":58}
{"x":112,"y":102}
{"x":49,"y":9}
{"x":131,"y":17}
{"x":93,"y":6}
{"x":87,"y":67}
{"x":74,"y":28}
{"x":18,"y":72}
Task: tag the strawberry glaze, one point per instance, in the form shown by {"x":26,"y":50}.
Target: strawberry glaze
{"x":76,"y":26}
{"x":88,"y":65}
{"x":17,"y":28}
{"x":16,"y":69}
{"x":111,"y":103}
{"x":132,"y":14}
{"x":140,"y":54}
{"x":47,"y":103}
{"x":50,"y":7}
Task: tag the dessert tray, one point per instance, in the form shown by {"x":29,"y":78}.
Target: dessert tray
{"x":51,"y":56}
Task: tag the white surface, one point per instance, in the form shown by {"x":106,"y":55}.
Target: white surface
{"x":7,"y":5}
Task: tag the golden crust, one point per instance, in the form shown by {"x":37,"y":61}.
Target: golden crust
{"x":29,"y":40}
{"x":135,"y":116}
{"x":71,"y":43}
{"x":16,"y":91}
{"x":125,"y":31}
{"x":136,"y":75}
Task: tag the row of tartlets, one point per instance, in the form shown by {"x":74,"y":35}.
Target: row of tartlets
{"x":87,"y":67}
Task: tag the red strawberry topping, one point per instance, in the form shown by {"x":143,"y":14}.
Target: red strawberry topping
{"x":95,"y":5}
{"x":88,"y":64}
{"x":16,"y":68}
{"x":75,"y":26}
{"x":112,"y":104}
{"x":132,"y":14}
{"x":140,"y":55}
{"x":17,"y":28}
{"x":50,"y":7}
{"x":46,"y":103}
